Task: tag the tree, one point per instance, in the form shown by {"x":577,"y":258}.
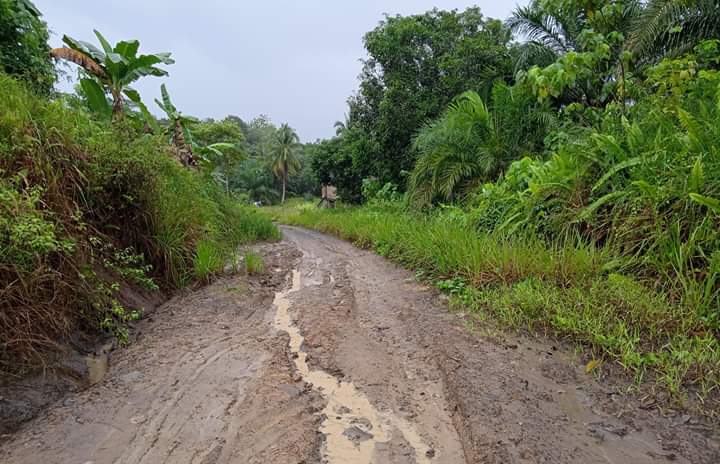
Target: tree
{"x":220,"y":146}
{"x":181,"y":138}
{"x":416,"y":66}
{"x":471,"y":144}
{"x":285,"y":162}
{"x":337,"y":162}
{"x":24,"y":52}
{"x":673,"y":27}
{"x":253,"y":178}
{"x":111,"y":70}
{"x":305,"y":181}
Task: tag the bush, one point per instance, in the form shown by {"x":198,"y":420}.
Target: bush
{"x":86,"y":208}
{"x":644,"y":183}
{"x":564,"y":287}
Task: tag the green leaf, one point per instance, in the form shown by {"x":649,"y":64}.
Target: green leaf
{"x":105,"y":44}
{"x":85,"y":47}
{"x":713,"y":204}
{"x":127,"y":48}
{"x":134,"y":96}
{"x":167,"y":103}
{"x":697,"y":176}
{"x":615,"y":169}
{"x":96,"y":97}
{"x":28,"y":5}
{"x":588,"y":211}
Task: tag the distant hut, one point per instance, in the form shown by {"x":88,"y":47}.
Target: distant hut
{"x":329,"y":196}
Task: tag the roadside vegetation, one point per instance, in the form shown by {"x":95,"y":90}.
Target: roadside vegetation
{"x":97,"y":197}
{"x":557,"y":171}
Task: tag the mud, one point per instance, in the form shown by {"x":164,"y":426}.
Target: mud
{"x":334,"y":355}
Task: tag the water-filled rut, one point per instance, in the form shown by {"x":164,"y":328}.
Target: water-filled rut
{"x":333,"y":355}
{"x":351,"y":424}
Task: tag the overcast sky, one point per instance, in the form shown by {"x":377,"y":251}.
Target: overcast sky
{"x":296,"y":61}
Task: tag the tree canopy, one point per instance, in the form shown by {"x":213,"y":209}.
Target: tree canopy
{"x":24,"y":51}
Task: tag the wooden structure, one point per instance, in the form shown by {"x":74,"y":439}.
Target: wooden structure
{"x":328,"y":196}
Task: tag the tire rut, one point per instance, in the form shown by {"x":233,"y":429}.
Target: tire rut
{"x":369,"y":359}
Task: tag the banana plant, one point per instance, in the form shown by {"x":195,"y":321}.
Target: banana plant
{"x":180,"y":137}
{"x":111,"y":71}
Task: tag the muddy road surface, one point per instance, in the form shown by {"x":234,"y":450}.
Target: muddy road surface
{"x":333,"y":355}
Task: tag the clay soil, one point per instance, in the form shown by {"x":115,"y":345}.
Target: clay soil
{"x":334,"y":355}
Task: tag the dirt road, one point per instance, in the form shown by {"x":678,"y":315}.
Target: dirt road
{"x":334,"y":355}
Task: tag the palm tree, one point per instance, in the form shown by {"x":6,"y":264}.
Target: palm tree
{"x":470,"y":144}
{"x":673,"y":27}
{"x":285,"y":163}
{"x":111,"y":70}
{"x":549,"y":31}
{"x":553,"y":29}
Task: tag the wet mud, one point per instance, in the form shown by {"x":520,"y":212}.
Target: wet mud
{"x":333,"y":355}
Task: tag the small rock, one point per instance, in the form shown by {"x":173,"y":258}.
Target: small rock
{"x":363,"y":423}
{"x":68,"y":402}
{"x":291,"y":390}
{"x":343,"y":410}
{"x":356,"y":435}
{"x":430,"y":453}
{"x":138,"y":419}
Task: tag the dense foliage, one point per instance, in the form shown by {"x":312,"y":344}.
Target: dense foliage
{"x":416,"y":66}
{"x":98,"y":199}
{"x":86,"y":209}
{"x":597,"y":155}
{"x":24,"y":51}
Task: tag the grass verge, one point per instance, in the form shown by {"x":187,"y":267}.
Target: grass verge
{"x":572,"y":291}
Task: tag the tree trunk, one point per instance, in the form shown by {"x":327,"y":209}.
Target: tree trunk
{"x":182,"y":149}
{"x":117,"y":107}
{"x":284,"y":179}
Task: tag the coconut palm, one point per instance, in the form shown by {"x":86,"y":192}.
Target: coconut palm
{"x":285,"y":162}
{"x":111,"y":71}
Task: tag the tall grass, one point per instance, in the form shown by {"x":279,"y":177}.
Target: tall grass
{"x":565,"y":288}
{"x":84,"y":206}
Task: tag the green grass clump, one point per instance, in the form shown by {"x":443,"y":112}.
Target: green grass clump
{"x":87,"y":207}
{"x":567,"y":289}
{"x":209,"y":260}
{"x":254,"y":263}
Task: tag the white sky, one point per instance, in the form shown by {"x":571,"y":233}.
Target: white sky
{"x":295,"y":61}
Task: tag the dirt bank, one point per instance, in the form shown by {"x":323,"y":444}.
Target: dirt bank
{"x":335,"y":355}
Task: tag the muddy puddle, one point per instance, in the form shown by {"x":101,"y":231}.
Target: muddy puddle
{"x":351,"y":425}
{"x":98,"y":364}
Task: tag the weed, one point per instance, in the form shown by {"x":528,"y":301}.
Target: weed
{"x":208,"y":260}
{"x":560,"y":287}
{"x":253,"y":263}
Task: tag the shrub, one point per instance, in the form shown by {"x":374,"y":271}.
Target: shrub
{"x":565,"y":287}
{"x":86,"y":208}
